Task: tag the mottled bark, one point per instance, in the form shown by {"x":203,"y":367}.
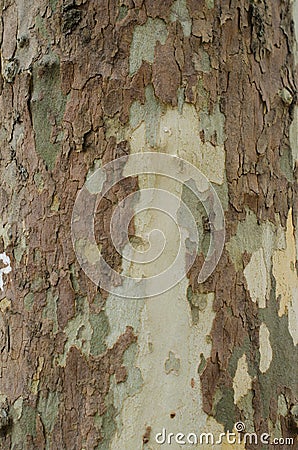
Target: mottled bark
{"x":82,"y":83}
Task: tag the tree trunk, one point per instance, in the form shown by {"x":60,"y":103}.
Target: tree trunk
{"x":111,"y":364}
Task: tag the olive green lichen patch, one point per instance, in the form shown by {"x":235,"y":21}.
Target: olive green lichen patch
{"x":225,"y":410}
{"x":144,"y":41}
{"x":19,"y":249}
{"x":39,"y":182}
{"x":150,"y":114}
{"x":198,"y":303}
{"x":100,"y":329}
{"x":123,"y":9}
{"x":245,"y":405}
{"x":250,"y":237}
{"x":48,"y":408}
{"x":53,"y":4}
{"x":25,"y":426}
{"x":201,"y":61}
{"x":180,"y":12}
{"x":47,"y":107}
{"x":238,"y":352}
{"x":107,"y":427}
{"x":209,"y":4}
{"x":284,"y":354}
{"x":87,"y":331}
{"x":40,"y":27}
{"x":78,"y":330}
{"x":134,"y":380}
{"x":213,"y":125}
{"x":286,"y":163}
{"x":202,"y":364}
{"x":131,"y":386}
{"x":128,"y":388}
{"x":50,"y":310}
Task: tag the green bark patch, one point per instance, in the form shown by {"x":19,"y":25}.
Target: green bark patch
{"x":26,"y":426}
{"x":47,"y":108}
{"x":144,"y":41}
{"x":108,"y":428}
{"x":225,"y":409}
{"x":284,"y":355}
{"x":48,"y":407}
{"x":149,"y":113}
{"x":100,"y":326}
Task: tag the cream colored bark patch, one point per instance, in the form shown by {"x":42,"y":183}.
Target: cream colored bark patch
{"x":293,"y":316}
{"x":179,"y":134}
{"x":284,"y":272}
{"x":242,"y":380}
{"x":166,"y":326}
{"x":256,"y":278}
{"x":265,"y":348}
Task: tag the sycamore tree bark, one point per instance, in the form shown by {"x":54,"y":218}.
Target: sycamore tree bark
{"x":84,"y":82}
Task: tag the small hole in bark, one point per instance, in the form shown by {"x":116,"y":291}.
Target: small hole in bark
{"x":173,"y":415}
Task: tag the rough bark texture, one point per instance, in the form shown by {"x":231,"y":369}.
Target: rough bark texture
{"x":84,"y":82}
